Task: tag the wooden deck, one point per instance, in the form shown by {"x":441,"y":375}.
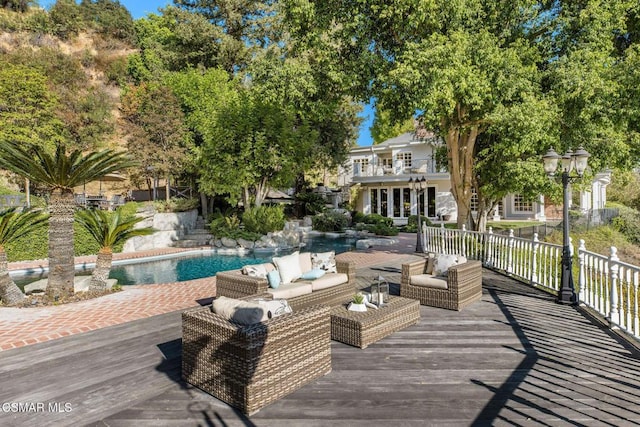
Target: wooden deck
{"x":515,"y":358}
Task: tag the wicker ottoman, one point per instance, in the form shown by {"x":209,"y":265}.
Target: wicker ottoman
{"x":363,"y":328}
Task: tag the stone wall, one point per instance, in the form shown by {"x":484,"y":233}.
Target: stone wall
{"x":169,"y":228}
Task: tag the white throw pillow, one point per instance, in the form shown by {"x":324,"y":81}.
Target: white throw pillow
{"x":442,"y":263}
{"x":305,"y":262}
{"x":258,"y":270}
{"x":289,"y":267}
{"x":276,"y":307}
{"x":325,"y":261}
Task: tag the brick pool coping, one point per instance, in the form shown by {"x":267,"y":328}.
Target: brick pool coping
{"x":25,"y":326}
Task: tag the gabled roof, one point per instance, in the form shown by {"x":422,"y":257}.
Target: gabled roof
{"x":404,"y":140}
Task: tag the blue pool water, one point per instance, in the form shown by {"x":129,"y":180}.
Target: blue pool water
{"x":196,"y":267}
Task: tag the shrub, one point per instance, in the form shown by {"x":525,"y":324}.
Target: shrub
{"x":35,"y":244}
{"x":377,"y":219}
{"x":357,"y":217}
{"x":311,"y":203}
{"x":412,"y":223}
{"x":176,"y":204}
{"x":224,"y":224}
{"x":330,"y":221}
{"x":263,"y":219}
{"x":383,"y":230}
{"x":628,"y":223}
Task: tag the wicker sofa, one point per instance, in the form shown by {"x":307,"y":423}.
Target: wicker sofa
{"x":252,"y":366}
{"x":234,"y":284}
{"x":461,"y":287}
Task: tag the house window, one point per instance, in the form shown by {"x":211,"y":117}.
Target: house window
{"x":406,"y":159}
{"x":387,"y":162}
{"x":396,"y":203}
{"x":520,"y":204}
{"x":384,"y":202}
{"x":406,"y":202}
{"x":360,"y":165}
{"x":474,"y":200}
{"x":374,"y":200}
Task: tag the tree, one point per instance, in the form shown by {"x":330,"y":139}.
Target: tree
{"x":13,"y":225}
{"x":384,"y":127}
{"x":253,"y":147}
{"x":158,"y":134}
{"x":176,"y":40}
{"x":108,"y":229}
{"x":27,"y":106}
{"x":245,"y":28}
{"x":59,"y":174}
{"x":469,"y":68}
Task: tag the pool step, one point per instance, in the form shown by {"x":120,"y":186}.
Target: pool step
{"x":194,"y":238}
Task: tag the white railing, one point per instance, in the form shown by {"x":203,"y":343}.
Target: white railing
{"x":605,"y":284}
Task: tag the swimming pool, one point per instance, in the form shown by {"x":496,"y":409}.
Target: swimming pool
{"x":176,"y":268}
{"x":198,"y":266}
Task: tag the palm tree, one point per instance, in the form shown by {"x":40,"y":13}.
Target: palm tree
{"x":108,"y":229}
{"x":59,"y":174}
{"x":13,"y":225}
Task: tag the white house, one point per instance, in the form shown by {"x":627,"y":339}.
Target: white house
{"x":382,"y":174}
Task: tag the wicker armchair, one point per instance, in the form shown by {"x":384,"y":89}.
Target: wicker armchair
{"x":249,"y":367}
{"x":463,"y":287}
{"x":234,"y":284}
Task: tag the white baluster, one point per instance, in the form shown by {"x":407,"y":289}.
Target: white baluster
{"x":463,"y":235}
{"x":442,"y":239}
{"x":634,"y":312}
{"x":424,"y":235}
{"x":614,"y":312}
{"x":512,"y":243}
{"x":534,"y":259}
{"x":488,"y":253}
{"x":581,"y":272}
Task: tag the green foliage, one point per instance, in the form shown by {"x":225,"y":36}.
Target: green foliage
{"x":158,"y":133}
{"x":311,"y":203}
{"x":66,"y":18}
{"x":383,"y":229}
{"x":34,"y":245}
{"x":384,"y":127}
{"x":109,"y":18}
{"x":628,"y":223}
{"x":330,"y":221}
{"x":358,"y":217}
{"x":625,"y":188}
{"x":176,"y":204}
{"x":224,"y":224}
{"x":61,"y":171}
{"x":110,"y":229}
{"x":117,"y":70}
{"x":412,"y":223}
{"x":358,"y":298}
{"x":377,"y":219}
{"x":263,"y":219}
{"x":27,"y":106}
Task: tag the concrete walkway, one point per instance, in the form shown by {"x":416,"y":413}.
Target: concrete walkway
{"x":25,"y":326}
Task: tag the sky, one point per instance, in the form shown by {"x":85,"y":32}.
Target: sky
{"x":141,"y":8}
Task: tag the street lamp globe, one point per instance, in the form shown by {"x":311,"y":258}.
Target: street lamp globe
{"x":550,"y":162}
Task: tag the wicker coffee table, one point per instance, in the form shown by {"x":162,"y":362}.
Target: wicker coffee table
{"x":363,"y":328}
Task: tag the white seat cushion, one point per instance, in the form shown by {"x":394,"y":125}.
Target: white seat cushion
{"x":291,"y":290}
{"x":327,"y":281}
{"x":429,"y":281}
{"x":242,"y":312}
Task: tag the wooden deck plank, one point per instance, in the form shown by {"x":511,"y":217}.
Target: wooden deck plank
{"x":510,"y":359}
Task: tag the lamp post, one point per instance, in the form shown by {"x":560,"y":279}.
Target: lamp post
{"x":419,"y":185}
{"x":570,"y":162}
